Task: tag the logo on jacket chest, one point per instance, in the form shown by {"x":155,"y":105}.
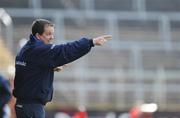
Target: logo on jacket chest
{"x":21,"y":63}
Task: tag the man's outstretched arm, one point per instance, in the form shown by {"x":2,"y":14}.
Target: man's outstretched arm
{"x":99,"y":41}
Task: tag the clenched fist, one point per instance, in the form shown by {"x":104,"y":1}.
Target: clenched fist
{"x":60,"y":68}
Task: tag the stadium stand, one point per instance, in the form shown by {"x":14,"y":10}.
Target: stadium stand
{"x":114,"y":5}
{"x":141,"y":63}
{"x":14,"y":4}
{"x":163,"y":5}
{"x":62,"y":4}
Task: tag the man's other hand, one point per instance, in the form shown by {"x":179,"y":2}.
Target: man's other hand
{"x":60,"y":68}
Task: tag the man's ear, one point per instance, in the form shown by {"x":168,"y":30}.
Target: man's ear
{"x":37,"y":35}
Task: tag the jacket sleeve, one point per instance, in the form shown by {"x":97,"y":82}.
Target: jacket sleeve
{"x":5,"y":93}
{"x":58,"y":55}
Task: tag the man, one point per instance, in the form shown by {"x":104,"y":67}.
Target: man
{"x":4,"y":95}
{"x":36,"y":63}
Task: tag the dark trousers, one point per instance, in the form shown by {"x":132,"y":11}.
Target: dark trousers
{"x":29,"y":110}
{"x":1,"y":113}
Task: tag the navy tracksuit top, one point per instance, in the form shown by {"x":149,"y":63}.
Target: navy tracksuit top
{"x":35,"y":63}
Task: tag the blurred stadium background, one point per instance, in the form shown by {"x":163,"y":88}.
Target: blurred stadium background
{"x":140,"y":65}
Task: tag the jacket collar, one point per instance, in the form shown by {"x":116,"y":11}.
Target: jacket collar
{"x":35,"y":39}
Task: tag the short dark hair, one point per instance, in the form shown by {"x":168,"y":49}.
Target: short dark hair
{"x":39,"y":24}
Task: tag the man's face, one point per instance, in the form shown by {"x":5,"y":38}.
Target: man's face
{"x":48,"y":35}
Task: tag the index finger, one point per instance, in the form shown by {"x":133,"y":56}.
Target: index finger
{"x":108,"y":37}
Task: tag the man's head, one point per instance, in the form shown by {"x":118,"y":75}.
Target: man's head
{"x":43,"y":30}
